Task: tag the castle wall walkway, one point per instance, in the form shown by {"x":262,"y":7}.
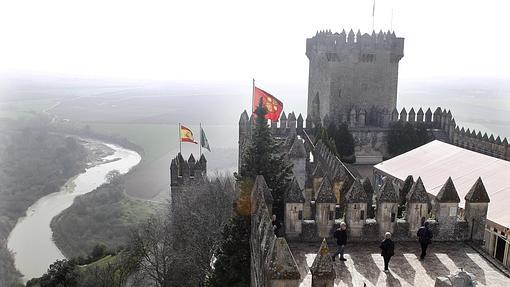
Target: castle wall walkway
{"x":365,"y":265}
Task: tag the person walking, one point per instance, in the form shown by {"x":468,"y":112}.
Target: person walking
{"x":341,"y":239}
{"x":424,"y":237}
{"x":387,"y":250}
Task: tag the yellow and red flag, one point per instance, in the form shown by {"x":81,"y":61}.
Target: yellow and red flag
{"x":187,"y":135}
{"x":273,"y":105}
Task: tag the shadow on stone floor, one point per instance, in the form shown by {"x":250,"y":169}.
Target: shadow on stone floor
{"x":433,"y":266}
{"x":392,"y":281}
{"x":343,"y":274}
{"x":462,"y":260}
{"x":365,"y":265}
{"x":401,"y":267}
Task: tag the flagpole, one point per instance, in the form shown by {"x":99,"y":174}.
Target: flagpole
{"x":373,"y":16}
{"x":180,"y":141}
{"x":200,"y":139}
{"x":252,"y":94}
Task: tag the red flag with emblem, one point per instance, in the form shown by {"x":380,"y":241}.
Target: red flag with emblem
{"x":273,"y":105}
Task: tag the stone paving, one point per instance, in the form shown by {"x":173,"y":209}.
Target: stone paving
{"x":364,"y":265}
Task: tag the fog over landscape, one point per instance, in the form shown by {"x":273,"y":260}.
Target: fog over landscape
{"x":83,"y":81}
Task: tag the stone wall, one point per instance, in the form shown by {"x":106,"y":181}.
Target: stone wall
{"x":352,"y":70}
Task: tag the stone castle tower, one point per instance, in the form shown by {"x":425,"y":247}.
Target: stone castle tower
{"x":186,"y":173}
{"x":352,"y":71}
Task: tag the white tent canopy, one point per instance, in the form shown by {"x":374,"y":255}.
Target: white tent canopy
{"x":436,"y":161}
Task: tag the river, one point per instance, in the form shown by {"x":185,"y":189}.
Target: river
{"x":31,"y":240}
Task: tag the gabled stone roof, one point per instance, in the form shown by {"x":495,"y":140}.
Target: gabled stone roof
{"x":318,"y":172}
{"x":387,"y":192}
{"x":356,"y":193}
{"x":262,"y":188}
{"x":367,"y":185}
{"x":418,"y":194}
{"x":202,"y":159}
{"x":406,"y":187}
{"x":297,"y":150}
{"x":478,"y":193}
{"x":325,"y":193}
{"x":322,"y":266}
{"x":448,"y":192}
{"x":283,"y":265}
{"x":294,"y":194}
{"x":244,"y":117}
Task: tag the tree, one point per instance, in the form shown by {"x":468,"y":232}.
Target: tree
{"x":232,"y":265}
{"x":405,"y":136}
{"x":264,"y":157}
{"x":175,"y":249}
{"x":62,"y":273}
{"x":344,"y":142}
{"x":324,"y":135}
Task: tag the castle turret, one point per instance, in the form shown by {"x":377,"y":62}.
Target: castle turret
{"x":297,"y":155}
{"x":325,"y":209}
{"x":184,"y":174}
{"x":356,"y":201}
{"x":448,"y":204}
{"x":417,"y":206}
{"x":323,"y":270}
{"x":318,"y":176}
{"x":283,"y":269}
{"x":477,"y":204}
{"x":244,"y":136}
{"x":294,"y":206}
{"x":367,"y":185}
{"x":387,"y":205}
{"x":360,"y":71}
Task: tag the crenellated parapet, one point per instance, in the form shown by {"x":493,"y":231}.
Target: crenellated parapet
{"x":475,"y":141}
{"x":187,"y":172}
{"x":327,"y":41}
{"x":272,"y":262}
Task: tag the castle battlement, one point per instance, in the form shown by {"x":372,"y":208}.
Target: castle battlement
{"x":186,"y":172}
{"x":352,"y":69}
{"x":326,"y":41}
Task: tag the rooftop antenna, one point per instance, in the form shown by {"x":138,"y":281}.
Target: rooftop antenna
{"x":373,"y":16}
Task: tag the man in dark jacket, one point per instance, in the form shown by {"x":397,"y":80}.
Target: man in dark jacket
{"x":424,"y":237}
{"x":341,"y":239}
{"x":387,"y":250}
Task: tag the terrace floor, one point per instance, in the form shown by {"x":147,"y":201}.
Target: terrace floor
{"x":365,"y":265}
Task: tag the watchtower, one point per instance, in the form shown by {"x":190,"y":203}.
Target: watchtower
{"x":185,"y":173}
{"x":352,"y":71}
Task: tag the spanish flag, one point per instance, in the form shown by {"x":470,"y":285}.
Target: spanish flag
{"x":187,"y":135}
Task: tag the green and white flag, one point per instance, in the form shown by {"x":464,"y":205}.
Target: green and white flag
{"x":203,"y":140}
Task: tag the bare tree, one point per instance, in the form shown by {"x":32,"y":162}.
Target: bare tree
{"x":175,"y":249}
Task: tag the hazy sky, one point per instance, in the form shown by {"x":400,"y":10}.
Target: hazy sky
{"x":238,"y":40}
